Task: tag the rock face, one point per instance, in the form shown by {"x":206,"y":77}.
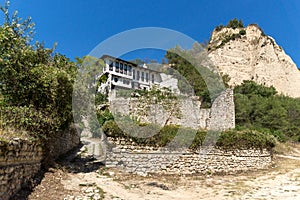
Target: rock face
{"x":248,"y":54}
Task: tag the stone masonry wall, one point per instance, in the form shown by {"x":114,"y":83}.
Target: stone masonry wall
{"x":20,"y":160}
{"x":144,"y":160}
{"x":222,"y":112}
{"x":64,"y":141}
{"x":181,"y":111}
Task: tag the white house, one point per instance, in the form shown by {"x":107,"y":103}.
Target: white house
{"x":128,"y":75}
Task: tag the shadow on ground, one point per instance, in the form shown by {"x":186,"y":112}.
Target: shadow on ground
{"x":72,"y":162}
{"x":77,"y":163}
{"x":29,"y":186}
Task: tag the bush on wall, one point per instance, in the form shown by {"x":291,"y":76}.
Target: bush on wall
{"x":228,"y":139}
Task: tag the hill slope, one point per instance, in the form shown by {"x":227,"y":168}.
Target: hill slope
{"x":248,"y":54}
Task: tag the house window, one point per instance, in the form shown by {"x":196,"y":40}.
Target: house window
{"x":138,"y":75}
{"x":111,"y":65}
{"x":121,"y":68}
{"x":142,"y":76}
{"x":133,"y":72}
{"x":116,"y":79}
{"x":152,"y":78}
{"x":129,"y":70}
{"x":125,"y":69}
{"x":117,"y":67}
{"x":147,"y":77}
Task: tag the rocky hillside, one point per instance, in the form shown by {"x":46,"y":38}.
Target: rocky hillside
{"x":249,"y":54}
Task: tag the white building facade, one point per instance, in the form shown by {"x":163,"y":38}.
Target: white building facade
{"x":128,"y":75}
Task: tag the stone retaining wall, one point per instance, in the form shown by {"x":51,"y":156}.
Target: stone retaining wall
{"x":64,"y":141}
{"x":144,"y":160}
{"x":20,"y":160}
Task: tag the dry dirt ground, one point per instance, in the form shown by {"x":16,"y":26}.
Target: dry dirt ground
{"x":81,"y":178}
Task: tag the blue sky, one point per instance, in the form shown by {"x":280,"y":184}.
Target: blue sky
{"x":79,"y":26}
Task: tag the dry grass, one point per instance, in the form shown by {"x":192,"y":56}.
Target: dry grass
{"x":282,"y":148}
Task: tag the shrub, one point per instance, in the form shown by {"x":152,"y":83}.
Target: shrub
{"x":234,"y":23}
{"x":111,"y":129}
{"x":228,"y":38}
{"x":104,"y":115}
{"x":279,"y":136}
{"x":36,"y":83}
{"x":218,"y":28}
{"x":242,"y":32}
{"x":164,"y":136}
{"x":236,"y":138}
{"x":198,"y":140}
{"x":100,"y":98}
{"x":245,"y":139}
{"x":102,"y":79}
{"x":35,"y":123}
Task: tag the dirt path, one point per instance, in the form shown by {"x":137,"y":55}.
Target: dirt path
{"x":83,"y":179}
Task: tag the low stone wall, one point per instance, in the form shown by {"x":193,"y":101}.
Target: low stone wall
{"x":144,"y":160}
{"x":20,"y":160}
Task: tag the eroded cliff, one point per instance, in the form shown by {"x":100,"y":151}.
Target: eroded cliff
{"x":249,"y":54}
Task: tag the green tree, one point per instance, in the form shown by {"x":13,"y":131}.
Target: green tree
{"x":235,"y":23}
{"x":251,"y":88}
{"x":194,"y":74}
{"x":260,"y":107}
{"x":34,"y":77}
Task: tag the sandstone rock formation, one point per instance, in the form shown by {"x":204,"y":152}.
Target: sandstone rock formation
{"x":249,"y":54}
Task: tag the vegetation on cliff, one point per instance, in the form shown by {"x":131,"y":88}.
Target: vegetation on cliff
{"x":226,"y":36}
{"x":234,"y":23}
